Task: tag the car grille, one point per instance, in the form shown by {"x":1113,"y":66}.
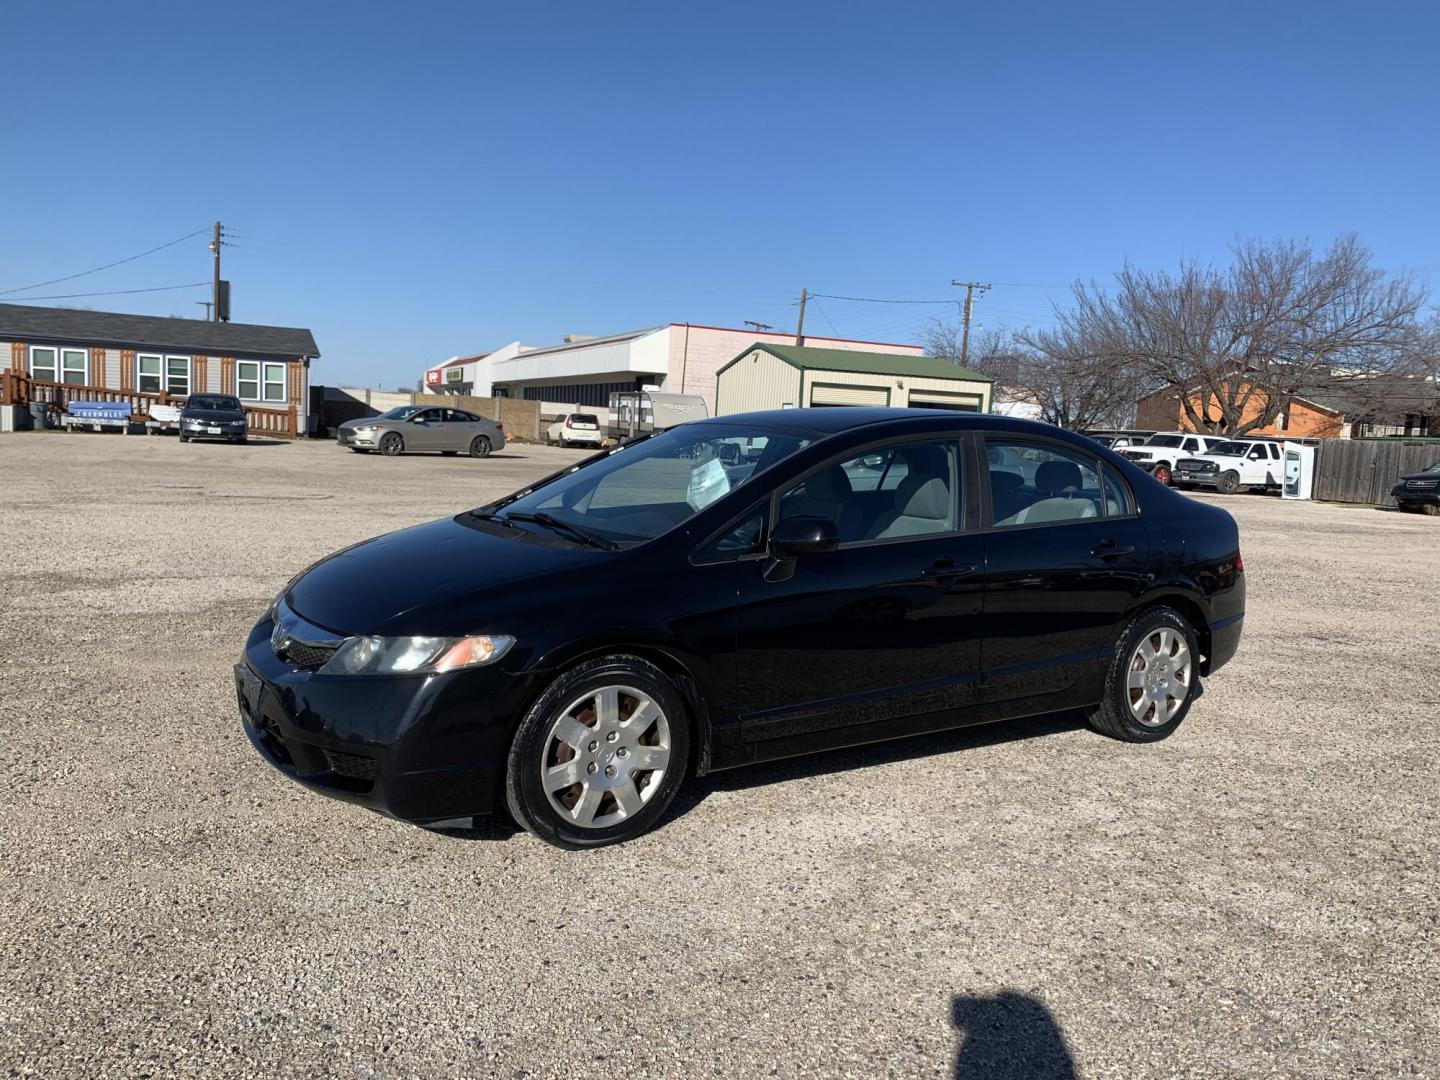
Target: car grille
{"x":1421,"y":485}
{"x":355,"y":766}
{"x":1135,"y":455}
{"x":307,"y":657}
{"x":1196,"y":465}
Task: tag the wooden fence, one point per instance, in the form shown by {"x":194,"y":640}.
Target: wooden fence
{"x":1364,"y":471}
{"x":17,"y":389}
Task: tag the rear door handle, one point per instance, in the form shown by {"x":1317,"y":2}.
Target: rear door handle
{"x":1108,"y":549}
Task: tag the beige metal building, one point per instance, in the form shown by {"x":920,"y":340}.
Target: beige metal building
{"x":797,"y":376}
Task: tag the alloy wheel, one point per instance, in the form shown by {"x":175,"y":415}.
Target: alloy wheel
{"x":1160,"y":674}
{"x":392,"y":444}
{"x":605,"y":756}
{"x":480,"y":446}
{"x":1162,"y":473}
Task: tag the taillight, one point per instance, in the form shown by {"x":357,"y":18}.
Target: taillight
{"x":567,"y":421}
{"x":499,"y":425}
{"x":1239,"y":563}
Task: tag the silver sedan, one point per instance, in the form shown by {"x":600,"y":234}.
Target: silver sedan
{"x":423,"y":429}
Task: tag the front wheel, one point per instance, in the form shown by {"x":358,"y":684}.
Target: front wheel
{"x":480,"y":446}
{"x":600,"y":756}
{"x":392,"y":444}
{"x":1152,"y":678}
{"x":1229,"y":482}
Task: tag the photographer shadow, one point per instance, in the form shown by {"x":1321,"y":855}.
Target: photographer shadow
{"x":1009,"y":1037}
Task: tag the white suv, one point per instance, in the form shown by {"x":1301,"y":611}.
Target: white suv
{"x":1160,"y":452}
{"x":1231,"y":465}
{"x":575,"y":429}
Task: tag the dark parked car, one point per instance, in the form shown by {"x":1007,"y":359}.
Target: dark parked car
{"x":748,"y":587}
{"x":1419,"y":491}
{"x":213,"y":416}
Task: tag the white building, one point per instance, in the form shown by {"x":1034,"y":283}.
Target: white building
{"x":679,"y":358}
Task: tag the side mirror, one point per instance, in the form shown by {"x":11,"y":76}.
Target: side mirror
{"x":729,"y":454}
{"x":803,"y":536}
{"x":418,"y":418}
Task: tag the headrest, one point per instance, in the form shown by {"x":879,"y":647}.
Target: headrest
{"x":923,"y":497}
{"x":1057,"y":476}
{"x":1003,"y":483}
{"x":831,"y":485}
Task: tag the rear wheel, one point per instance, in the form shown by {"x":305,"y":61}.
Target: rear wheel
{"x":1152,"y":678}
{"x":392,"y":444}
{"x":1162,"y":473}
{"x":480,"y":446}
{"x":600,"y":756}
{"x":1229,"y":482}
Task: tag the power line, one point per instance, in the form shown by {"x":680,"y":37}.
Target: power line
{"x":107,"y":266}
{"x":873,"y":300}
{"x":117,"y":292}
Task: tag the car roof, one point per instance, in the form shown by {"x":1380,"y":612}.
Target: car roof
{"x":835,"y":419}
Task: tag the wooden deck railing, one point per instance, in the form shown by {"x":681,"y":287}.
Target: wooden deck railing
{"x":18,"y":389}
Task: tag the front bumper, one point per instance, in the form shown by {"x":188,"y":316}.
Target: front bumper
{"x":349,"y":437}
{"x":421,"y":748}
{"x":1199,"y":479}
{"x":213,"y":431}
{"x":1409,"y":498}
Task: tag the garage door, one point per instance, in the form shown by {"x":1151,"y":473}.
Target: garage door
{"x":837,"y":394}
{"x":944,"y":399}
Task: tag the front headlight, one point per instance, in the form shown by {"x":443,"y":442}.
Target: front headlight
{"x":372,"y":655}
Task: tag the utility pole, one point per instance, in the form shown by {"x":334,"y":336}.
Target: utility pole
{"x":800,"y":326}
{"x":970,"y":287}
{"x":215,"y":284}
{"x":760,"y":327}
{"x":207,"y":305}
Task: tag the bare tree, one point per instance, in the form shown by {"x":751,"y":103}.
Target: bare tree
{"x":1239,"y":345}
{"x":1069,"y":385}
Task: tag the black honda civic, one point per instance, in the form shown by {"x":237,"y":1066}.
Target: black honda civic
{"x":735,"y":590}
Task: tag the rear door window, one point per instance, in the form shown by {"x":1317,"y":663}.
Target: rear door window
{"x":1033,"y":484}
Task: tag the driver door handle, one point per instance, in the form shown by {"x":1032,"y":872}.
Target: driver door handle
{"x":945,"y":568}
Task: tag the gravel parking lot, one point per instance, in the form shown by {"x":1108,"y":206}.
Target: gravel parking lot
{"x":1254,"y":897}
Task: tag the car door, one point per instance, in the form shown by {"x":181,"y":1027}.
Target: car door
{"x":883,"y":628}
{"x":1065,"y":556}
{"x":423,"y":431}
{"x":456,"y":429}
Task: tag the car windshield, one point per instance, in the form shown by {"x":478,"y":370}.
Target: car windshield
{"x":400,"y":412}
{"x":1230,"y":449}
{"x":1165,"y":440}
{"x":640,"y":491}
{"x":211,"y":402}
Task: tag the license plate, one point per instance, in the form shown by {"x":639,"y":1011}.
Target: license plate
{"x":247,"y":689}
{"x":213,"y":430}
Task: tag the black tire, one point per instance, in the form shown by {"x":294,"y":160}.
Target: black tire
{"x":480,"y":446}
{"x":1114,"y":716}
{"x":392,"y":444}
{"x":525,"y":794}
{"x":184,"y":437}
{"x":242,"y":440}
{"x":449,"y":453}
{"x":1229,"y":482}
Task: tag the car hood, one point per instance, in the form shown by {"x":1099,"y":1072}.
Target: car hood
{"x":222,"y":415}
{"x":445,"y":577}
{"x":368,"y":421}
{"x":1423,"y":474}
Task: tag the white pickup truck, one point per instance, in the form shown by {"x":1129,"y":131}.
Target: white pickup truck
{"x":1233,"y":464}
{"x":1159,"y":453}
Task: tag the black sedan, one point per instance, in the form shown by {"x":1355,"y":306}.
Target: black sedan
{"x":1419,"y":491}
{"x":213,"y":416}
{"x":735,"y":590}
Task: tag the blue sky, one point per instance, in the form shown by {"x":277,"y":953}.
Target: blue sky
{"x":420,"y":180}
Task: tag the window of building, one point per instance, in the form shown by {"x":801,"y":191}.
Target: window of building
{"x":155,"y":372}
{"x":60,"y":365}
{"x":255,"y":381}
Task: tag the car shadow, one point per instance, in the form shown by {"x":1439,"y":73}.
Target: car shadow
{"x":1009,"y":1036}
{"x":826,"y":762}
{"x":695,"y":790}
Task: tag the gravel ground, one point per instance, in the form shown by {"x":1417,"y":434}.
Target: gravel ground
{"x":1253,"y":897}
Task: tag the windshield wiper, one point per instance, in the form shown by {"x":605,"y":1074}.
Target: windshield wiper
{"x":540,"y":517}
{"x":486,"y":515}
